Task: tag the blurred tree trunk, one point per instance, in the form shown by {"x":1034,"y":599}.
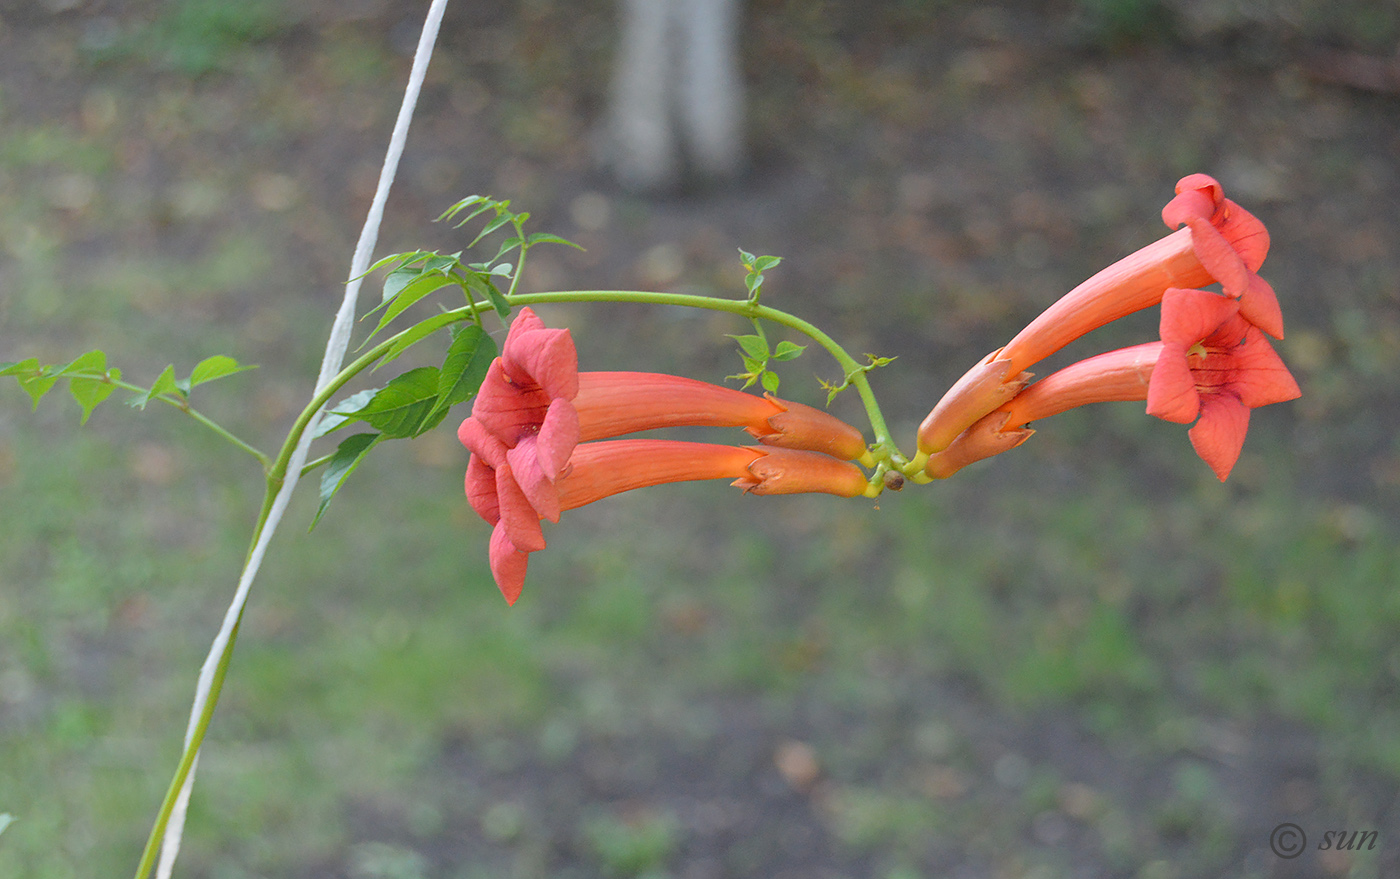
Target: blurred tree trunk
{"x":677,"y":102}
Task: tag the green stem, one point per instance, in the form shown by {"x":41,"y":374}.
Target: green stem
{"x":850,"y":368}
{"x":887,"y":452}
{"x":276,"y":475}
{"x":184,"y":406}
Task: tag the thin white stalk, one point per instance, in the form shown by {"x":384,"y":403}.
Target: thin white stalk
{"x":330,"y":365}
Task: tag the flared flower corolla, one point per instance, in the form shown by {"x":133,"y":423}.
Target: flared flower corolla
{"x":536,"y":413}
{"x":1218,"y":365}
{"x":601,"y":469}
{"x":1220,"y":243}
{"x":1212,"y":366}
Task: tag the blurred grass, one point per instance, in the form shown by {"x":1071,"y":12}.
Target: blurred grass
{"x":1067,"y":658}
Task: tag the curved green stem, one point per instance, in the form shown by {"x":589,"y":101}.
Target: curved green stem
{"x":886,"y":455}
{"x":184,"y":406}
{"x":851,"y":368}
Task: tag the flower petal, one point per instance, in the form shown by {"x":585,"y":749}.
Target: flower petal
{"x":508,"y":565}
{"x":559,"y":434}
{"x":480,"y":442}
{"x":481,"y":490}
{"x":534,"y":482}
{"x":507,"y":409}
{"x":1259,"y":306}
{"x":1246,"y":234}
{"x":1188,"y":316}
{"x":536,"y":356}
{"x":1171,"y":392}
{"x":1259,"y":376}
{"x":1218,"y":257}
{"x":518,"y":516}
{"x":1219,"y":434}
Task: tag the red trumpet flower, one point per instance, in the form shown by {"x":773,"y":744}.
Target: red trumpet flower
{"x":535,"y":412}
{"x":1221,"y":243}
{"x":1211,"y":363}
{"x":601,"y":469}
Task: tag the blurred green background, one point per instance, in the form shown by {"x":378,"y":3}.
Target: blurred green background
{"x":1086,"y":658}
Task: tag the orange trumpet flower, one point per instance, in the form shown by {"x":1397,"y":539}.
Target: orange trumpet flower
{"x":1221,"y":242}
{"x":1211,"y":363}
{"x":535,"y":413}
{"x":600,"y":469}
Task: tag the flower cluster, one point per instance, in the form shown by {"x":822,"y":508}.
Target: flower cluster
{"x":1212,"y":365}
{"x":543,"y":436}
{"x":540,"y":430}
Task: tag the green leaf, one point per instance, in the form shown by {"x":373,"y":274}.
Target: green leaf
{"x":341,"y":414}
{"x":348,"y":456}
{"x":92,"y":361}
{"x":91,"y":391}
{"x":788,"y":351}
{"x":764,"y":263}
{"x":550,"y":238}
{"x":36,"y":386}
{"x":468,"y":357}
{"x":164,"y":384}
{"x":502,"y":217}
{"x":746,"y":258}
{"x":402,"y":407}
{"x":507,"y":246}
{"x":399,"y":278}
{"x":753,"y":346}
{"x":770,"y":382}
{"x":480,"y":202}
{"x":409,"y":295}
{"x":753,"y":281}
{"x":415,"y":334}
{"x":19,"y":368}
{"x":216,"y":367}
{"x":482,"y":285}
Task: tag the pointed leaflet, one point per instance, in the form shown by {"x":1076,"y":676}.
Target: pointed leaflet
{"x":402,"y":408}
{"x":481,"y":283}
{"x":21,"y":367}
{"x":470,"y":353}
{"x":347,"y":458}
{"x":337,"y":417}
{"x":428,"y":282}
{"x":550,"y":238}
{"x":31,"y":377}
{"x":788,"y":350}
{"x":164,"y":384}
{"x":86,"y":390}
{"x":211,"y":368}
{"x":754,"y":346}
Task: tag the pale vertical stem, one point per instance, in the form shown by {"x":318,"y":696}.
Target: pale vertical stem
{"x":221,"y":649}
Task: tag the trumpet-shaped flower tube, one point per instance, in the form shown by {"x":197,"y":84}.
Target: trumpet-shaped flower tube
{"x":1220,"y":242}
{"x":535,"y":414}
{"x":600,"y":469}
{"x":1212,"y":366}
{"x":615,"y":403}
